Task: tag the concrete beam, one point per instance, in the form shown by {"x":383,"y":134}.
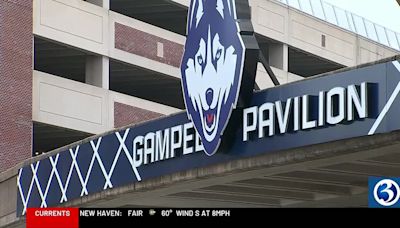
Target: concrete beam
{"x":360,"y":200}
{"x":8,"y":199}
{"x":279,"y":56}
{"x":91,"y":111}
{"x":92,"y":28}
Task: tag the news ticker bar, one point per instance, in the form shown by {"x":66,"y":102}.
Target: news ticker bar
{"x":86,"y":217}
{"x":116,"y":217}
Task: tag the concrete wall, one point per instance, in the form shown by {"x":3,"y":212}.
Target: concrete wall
{"x":159,"y":50}
{"x":275,"y":20}
{"x":114,"y":35}
{"x":82,"y":107}
{"x":8,"y":198}
{"x":74,"y":105}
{"x":158,"y":41}
{"x":95,"y":31}
{"x":73,"y":22}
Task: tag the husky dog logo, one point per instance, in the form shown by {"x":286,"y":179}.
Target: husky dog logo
{"x":212,"y":67}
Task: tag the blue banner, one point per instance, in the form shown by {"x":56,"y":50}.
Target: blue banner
{"x":338,"y":106}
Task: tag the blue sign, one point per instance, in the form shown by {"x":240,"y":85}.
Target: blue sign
{"x":383,"y":192}
{"x":212,"y":67}
{"x":353,"y":103}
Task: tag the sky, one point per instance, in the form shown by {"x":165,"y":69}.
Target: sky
{"x":382,"y":12}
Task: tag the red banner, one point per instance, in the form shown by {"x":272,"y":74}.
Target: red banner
{"x":52,"y":218}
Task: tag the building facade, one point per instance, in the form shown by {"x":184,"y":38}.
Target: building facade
{"x":71,"y":69}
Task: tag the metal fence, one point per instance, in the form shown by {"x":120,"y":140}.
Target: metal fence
{"x":347,"y":20}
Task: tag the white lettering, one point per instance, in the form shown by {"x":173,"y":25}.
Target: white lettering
{"x":176,"y":139}
{"x":187,"y":138}
{"x":198,"y":145}
{"x":266,"y":119}
{"x":321,"y":109}
{"x":247,"y":126}
{"x":137,"y":152}
{"x":149,"y":148}
{"x":354,"y":100}
{"x":296,"y":115}
{"x":335,"y":106}
{"x":162,"y":145}
{"x":331,"y":118}
{"x":306,"y":123}
{"x":283,"y":118}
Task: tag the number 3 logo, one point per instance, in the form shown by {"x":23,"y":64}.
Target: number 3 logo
{"x":386,"y":192}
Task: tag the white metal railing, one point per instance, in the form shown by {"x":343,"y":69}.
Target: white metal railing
{"x":347,"y":20}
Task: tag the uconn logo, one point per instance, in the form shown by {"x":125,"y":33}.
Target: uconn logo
{"x":212,"y":67}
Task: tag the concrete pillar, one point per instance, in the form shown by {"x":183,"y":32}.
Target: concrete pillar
{"x":102,"y":3}
{"x":98,"y":71}
{"x":285,"y":57}
{"x":279,"y":56}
